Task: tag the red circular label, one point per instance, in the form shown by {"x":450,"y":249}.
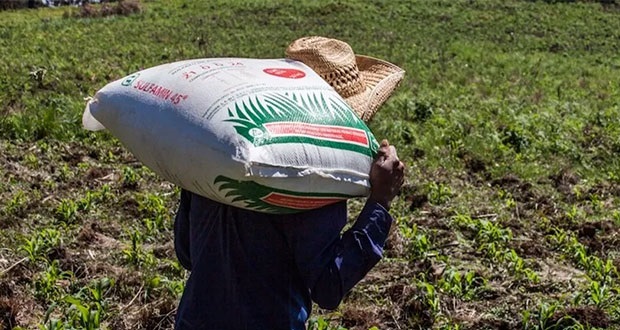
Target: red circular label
{"x":285,"y":73}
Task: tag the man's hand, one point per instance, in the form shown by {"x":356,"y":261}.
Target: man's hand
{"x":387,"y":175}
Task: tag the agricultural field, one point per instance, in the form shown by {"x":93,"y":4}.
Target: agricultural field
{"x":508,"y":120}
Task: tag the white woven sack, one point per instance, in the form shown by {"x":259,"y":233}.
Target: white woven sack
{"x":266,"y":135}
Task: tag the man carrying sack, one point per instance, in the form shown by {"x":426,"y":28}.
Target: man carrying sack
{"x":252,"y":270}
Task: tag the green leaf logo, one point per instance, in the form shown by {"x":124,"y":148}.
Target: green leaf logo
{"x":130,"y":79}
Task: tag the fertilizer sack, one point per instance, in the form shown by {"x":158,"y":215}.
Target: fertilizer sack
{"x":263,"y":134}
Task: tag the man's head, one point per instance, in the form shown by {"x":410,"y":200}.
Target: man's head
{"x":364,"y":82}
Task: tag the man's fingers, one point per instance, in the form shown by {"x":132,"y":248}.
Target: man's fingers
{"x":393,"y":151}
{"x":381,"y":154}
{"x":384,"y":149}
{"x":400,"y":167}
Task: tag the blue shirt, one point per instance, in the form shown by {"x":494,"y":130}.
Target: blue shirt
{"x":256,"y":271}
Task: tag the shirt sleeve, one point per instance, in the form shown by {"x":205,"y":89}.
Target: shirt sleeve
{"x":181,"y":230}
{"x":330,"y":263}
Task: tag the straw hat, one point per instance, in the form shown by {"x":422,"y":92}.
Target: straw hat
{"x":364,"y":82}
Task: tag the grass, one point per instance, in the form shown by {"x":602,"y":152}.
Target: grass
{"x":507,"y":121}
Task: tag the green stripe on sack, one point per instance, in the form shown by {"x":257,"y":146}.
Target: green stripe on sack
{"x":317,"y":142}
{"x":250,"y":115}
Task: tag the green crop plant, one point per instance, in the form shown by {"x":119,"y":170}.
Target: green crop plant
{"x":510,"y":203}
{"x":430,"y":297}
{"x":135,"y":254}
{"x":66,"y":211}
{"x":600,"y":294}
{"x":492,"y":251}
{"x":573,"y":214}
{"x":516,"y":264}
{"x":83,"y":315}
{"x":175,"y":287}
{"x":157,"y":224}
{"x":85,"y":203}
{"x":492,"y":240}
{"x":156,"y":284}
{"x":103,"y":194}
{"x":418,"y":245}
{"x":91,"y":198}
{"x":596,"y":268}
{"x":320,"y":323}
{"x":451,"y":326}
{"x":53,"y":324}
{"x":616,"y":217}
{"x":490,"y":232}
{"x":602,"y":270}
{"x":40,"y":244}
{"x":558,"y":238}
{"x":465,"y":285}
{"x":31,"y":160}
{"x":46,"y":285}
{"x":152,"y":205}
{"x":16,"y":205}
{"x":438,"y":193}
{"x":485,"y":231}
{"x":65,"y":172}
{"x":97,"y":291}
{"x":130,"y":178}
{"x":597,"y":204}
{"x":543,"y":317}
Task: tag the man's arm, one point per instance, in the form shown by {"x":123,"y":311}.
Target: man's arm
{"x":350,"y":257}
{"x":332,"y":264}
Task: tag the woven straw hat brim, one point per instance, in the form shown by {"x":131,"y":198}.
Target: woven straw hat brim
{"x":381,"y":79}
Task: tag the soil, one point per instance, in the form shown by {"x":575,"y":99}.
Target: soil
{"x":8,"y":314}
{"x":586,"y":315}
{"x":599,"y":237}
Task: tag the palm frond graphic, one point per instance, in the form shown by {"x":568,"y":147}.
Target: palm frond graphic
{"x":250,"y":115}
{"x":250,"y":193}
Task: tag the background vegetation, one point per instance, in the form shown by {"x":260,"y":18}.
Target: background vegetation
{"x":508,"y":121}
